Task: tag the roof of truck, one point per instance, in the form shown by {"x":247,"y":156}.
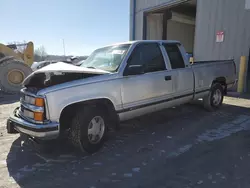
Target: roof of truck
{"x":142,"y":41}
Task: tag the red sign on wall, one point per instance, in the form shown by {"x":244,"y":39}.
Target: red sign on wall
{"x":219,"y":36}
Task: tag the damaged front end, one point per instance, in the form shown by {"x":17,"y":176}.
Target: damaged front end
{"x":32,"y":116}
{"x":59,"y":73}
{"x":44,"y":80}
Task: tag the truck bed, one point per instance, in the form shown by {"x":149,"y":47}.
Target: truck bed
{"x":215,"y":61}
{"x":206,"y":71}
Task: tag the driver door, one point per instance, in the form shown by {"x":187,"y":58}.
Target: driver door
{"x":142,"y":92}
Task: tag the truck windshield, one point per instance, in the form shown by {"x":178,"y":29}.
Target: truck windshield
{"x":107,"y":58}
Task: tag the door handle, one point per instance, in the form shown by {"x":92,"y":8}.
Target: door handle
{"x":167,"y":78}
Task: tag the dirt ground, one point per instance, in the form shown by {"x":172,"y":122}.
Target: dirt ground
{"x":178,"y":147}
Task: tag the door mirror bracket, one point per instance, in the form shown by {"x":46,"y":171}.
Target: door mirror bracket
{"x":134,"y":70}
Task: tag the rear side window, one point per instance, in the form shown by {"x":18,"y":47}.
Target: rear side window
{"x":149,"y":55}
{"x":175,"y":56}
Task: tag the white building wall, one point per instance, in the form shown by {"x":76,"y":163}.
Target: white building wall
{"x":139,"y":26}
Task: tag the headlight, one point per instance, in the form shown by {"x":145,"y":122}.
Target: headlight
{"x":33,"y":108}
{"x":37,"y":116}
{"x":34,"y":101}
{"x":28,"y":114}
{"x":29,"y":100}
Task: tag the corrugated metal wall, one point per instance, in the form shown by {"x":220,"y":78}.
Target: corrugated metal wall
{"x":181,"y":32}
{"x":139,"y":26}
{"x":131,"y":20}
{"x":229,"y":16}
{"x":144,"y":5}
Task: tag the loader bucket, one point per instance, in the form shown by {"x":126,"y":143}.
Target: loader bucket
{"x":28,"y":54}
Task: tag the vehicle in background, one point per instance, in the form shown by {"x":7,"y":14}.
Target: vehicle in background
{"x":116,"y":83}
{"x":79,"y":63}
{"x":72,"y":60}
{"x":38,"y":65}
{"x":15,"y":65}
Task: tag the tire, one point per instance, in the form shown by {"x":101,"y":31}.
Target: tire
{"x":214,"y":99}
{"x":79,"y":131}
{"x":6,"y":68}
{"x":1,"y":55}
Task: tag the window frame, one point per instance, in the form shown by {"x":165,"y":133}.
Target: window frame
{"x":134,"y":51}
{"x":118,"y":69}
{"x":180,"y":52}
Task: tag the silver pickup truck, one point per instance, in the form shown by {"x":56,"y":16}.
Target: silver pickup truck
{"x":116,"y":83}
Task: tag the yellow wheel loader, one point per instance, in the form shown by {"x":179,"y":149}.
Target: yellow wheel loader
{"x":15,"y":66}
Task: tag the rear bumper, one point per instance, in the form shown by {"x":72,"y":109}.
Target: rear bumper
{"x":41,"y":131}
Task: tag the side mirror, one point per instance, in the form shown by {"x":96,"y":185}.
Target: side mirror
{"x":134,"y":70}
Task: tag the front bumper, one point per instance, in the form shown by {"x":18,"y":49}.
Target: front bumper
{"x":41,"y":131}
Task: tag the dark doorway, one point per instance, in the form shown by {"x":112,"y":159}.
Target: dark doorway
{"x":173,"y":22}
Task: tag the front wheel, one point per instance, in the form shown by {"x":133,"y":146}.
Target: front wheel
{"x":88,"y":129}
{"x":214,"y":99}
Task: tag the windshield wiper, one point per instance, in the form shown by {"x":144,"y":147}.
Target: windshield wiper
{"x":96,"y":68}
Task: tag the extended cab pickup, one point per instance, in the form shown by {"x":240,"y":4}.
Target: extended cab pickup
{"x":115,"y":83}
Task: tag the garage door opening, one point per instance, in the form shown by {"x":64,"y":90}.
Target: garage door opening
{"x":175,"y":22}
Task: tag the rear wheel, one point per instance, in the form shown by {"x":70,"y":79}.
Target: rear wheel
{"x":88,"y":129}
{"x":214,"y":99}
{"x":12,"y":75}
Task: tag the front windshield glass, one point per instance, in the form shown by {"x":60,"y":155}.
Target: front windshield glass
{"x":107,"y":58}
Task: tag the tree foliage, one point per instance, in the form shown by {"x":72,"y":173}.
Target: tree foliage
{"x":40,"y":54}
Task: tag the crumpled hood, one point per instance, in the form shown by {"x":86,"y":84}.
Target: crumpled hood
{"x":63,"y":68}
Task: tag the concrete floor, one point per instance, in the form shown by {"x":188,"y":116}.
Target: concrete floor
{"x":178,"y":147}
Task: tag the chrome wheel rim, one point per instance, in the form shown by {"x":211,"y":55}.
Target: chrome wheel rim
{"x":96,"y":129}
{"x":217,"y":96}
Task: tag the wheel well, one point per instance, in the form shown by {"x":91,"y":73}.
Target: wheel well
{"x":222,"y":81}
{"x":69,"y":111}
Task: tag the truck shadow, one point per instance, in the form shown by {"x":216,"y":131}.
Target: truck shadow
{"x":25,"y":159}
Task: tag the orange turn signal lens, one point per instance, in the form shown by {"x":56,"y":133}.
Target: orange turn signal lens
{"x":39,"y":102}
{"x":38,"y":116}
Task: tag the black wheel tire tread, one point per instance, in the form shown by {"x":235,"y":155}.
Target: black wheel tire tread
{"x":81,"y":119}
{"x":74,"y":134}
{"x":207,"y":100}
